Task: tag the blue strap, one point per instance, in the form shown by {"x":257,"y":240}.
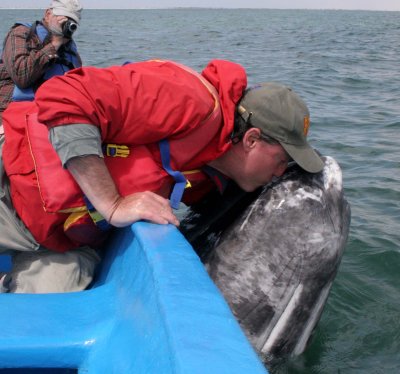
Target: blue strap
{"x":180,"y":180}
{"x":5,"y":263}
{"x":102,"y":224}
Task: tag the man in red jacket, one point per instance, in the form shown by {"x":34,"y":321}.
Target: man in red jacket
{"x":167,"y":123}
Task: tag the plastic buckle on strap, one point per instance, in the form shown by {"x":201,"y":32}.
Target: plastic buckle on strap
{"x":116,"y":150}
{"x":97,"y":218}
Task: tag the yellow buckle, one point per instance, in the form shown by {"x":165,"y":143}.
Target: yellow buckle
{"x":188,"y":172}
{"x":116,"y":150}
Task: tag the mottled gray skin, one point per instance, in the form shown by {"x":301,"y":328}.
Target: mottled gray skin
{"x":276,"y":263}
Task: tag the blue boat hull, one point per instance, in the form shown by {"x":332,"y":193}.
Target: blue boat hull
{"x":152,"y":309}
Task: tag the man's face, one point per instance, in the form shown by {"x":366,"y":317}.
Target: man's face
{"x":263,"y":162}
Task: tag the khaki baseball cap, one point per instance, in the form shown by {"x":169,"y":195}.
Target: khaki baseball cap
{"x":282,"y":115}
{"x":68,"y":8}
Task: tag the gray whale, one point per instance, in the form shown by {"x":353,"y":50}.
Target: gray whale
{"x":275,"y":261}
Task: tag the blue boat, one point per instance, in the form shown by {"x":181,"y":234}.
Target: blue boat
{"x":152,"y":309}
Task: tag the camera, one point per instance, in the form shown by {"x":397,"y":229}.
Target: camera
{"x":69,"y":27}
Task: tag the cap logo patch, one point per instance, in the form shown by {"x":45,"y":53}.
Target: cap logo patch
{"x":306,"y":125}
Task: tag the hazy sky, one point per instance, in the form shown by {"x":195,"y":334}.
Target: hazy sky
{"x":278,"y":4}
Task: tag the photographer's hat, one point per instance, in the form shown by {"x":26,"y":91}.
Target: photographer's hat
{"x":282,"y":115}
{"x":68,"y":8}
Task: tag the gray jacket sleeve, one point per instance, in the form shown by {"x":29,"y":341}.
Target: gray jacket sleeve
{"x":76,"y":140}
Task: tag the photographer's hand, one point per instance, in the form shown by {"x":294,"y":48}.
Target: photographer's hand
{"x":55,"y":27}
{"x":57,"y":41}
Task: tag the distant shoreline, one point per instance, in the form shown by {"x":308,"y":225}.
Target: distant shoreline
{"x":218,"y":8}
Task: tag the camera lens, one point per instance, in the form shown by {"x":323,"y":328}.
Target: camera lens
{"x":73,"y":27}
{"x":69,"y":27}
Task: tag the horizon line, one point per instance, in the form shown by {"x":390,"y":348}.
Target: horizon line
{"x":208,"y":7}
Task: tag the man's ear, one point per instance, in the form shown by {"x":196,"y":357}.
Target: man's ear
{"x":47,"y":14}
{"x":250,"y":138}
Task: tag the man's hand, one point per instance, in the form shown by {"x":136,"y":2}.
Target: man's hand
{"x":58,"y":41}
{"x":93,"y":177}
{"x":55,"y":27}
{"x":142,"y":206}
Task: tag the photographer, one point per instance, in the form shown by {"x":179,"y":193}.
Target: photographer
{"x":33,"y":53}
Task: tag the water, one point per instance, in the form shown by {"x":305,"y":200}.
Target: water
{"x":346,"y":66}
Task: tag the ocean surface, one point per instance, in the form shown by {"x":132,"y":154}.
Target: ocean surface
{"x":346,"y":65}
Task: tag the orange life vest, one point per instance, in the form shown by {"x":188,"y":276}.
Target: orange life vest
{"x":45,"y":195}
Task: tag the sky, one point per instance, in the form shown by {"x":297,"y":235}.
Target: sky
{"x":274,"y":4}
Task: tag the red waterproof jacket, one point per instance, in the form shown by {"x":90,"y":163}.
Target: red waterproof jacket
{"x":136,"y":106}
